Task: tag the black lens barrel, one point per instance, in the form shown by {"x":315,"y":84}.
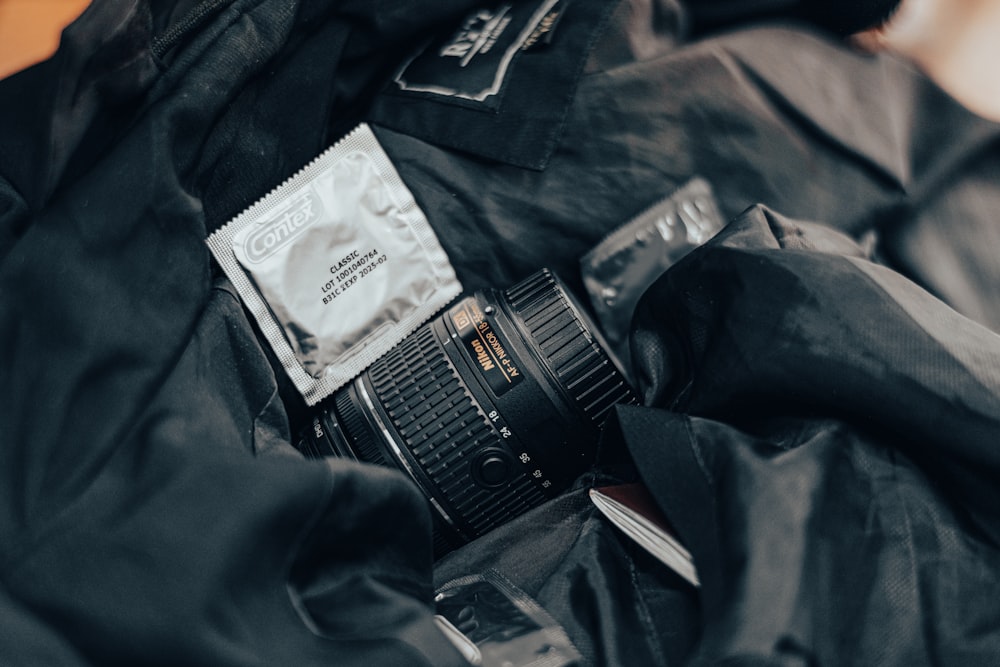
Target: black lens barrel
{"x":491,"y":408}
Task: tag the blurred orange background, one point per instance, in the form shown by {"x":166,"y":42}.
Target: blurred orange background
{"x":29,"y":30}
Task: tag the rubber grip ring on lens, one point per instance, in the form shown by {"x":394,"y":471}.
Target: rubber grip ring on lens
{"x":568,"y":345}
{"x":443,"y":430}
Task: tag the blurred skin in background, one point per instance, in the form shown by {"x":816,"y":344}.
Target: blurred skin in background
{"x":956,"y":42}
{"x":29,"y":30}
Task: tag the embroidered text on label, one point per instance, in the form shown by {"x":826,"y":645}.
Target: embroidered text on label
{"x":478,"y":35}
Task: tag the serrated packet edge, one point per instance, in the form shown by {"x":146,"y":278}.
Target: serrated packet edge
{"x":314,"y":389}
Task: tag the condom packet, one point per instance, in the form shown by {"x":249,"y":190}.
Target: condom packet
{"x":496,"y":624}
{"x":337,"y":264}
{"x":619,"y":269}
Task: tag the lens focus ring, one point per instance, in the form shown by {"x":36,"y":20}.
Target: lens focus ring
{"x":444,"y":430}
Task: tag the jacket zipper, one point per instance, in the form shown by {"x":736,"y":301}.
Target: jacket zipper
{"x":162,"y":44}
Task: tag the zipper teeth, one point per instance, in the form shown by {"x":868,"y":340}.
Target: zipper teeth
{"x":165,"y":41}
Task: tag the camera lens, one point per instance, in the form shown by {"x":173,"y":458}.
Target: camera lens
{"x":491,"y":408}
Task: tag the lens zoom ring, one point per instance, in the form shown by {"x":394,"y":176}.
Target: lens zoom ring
{"x":565,"y":341}
{"x":443,"y":429}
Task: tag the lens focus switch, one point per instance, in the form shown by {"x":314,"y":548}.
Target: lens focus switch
{"x":492,"y":468}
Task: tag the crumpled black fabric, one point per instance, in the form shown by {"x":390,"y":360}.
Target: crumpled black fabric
{"x":831,"y":557}
{"x":842,"y":18}
{"x":618,"y":605}
{"x":859,"y":143}
{"x":153,"y":512}
{"x":826,"y":446}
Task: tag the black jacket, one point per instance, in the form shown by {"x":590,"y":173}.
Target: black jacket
{"x":819,"y":383}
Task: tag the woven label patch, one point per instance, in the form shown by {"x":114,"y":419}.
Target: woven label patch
{"x":472,"y":62}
